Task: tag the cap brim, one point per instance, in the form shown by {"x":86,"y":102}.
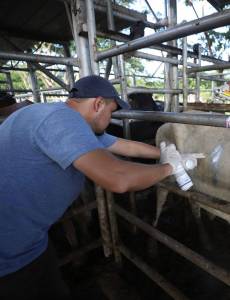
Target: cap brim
{"x":122,"y":104}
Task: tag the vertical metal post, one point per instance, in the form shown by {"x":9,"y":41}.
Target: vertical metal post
{"x":81,"y":42}
{"x":121,"y":64}
{"x":166,"y":8}
{"x":91,"y":24}
{"x":34,"y":83}
{"x":114,"y":227}
{"x":185,"y":76}
{"x":167,"y":97}
{"x":126,"y":126}
{"x":111,"y":27}
{"x":198,"y":61}
{"x":103,"y":220}
{"x":111,"y":24}
{"x":9,"y":82}
{"x":69,"y":69}
{"x":213,"y":90}
{"x":44,"y":97}
{"x":134,"y":80}
{"x":173,"y":69}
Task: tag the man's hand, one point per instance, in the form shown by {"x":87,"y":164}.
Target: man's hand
{"x":169,"y":155}
{"x":189,"y":160}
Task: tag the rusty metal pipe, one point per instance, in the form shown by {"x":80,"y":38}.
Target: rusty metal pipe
{"x":78,"y":253}
{"x":179,"y":248}
{"x":153,"y":274}
{"x":198,"y":197}
{"x":103,"y":221}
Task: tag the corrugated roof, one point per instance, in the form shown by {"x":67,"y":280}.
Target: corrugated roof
{"x":46,"y":20}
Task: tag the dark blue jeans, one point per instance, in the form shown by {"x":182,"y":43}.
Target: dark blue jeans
{"x":41,"y":279}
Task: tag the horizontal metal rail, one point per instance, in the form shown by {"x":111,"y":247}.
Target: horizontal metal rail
{"x":203,"y":199}
{"x":153,"y":274}
{"x":176,"y":246}
{"x":55,"y":95}
{"x":166,"y":48}
{"x":79,"y":252}
{"x":217,"y":107}
{"x":184,"y":118}
{"x":221,"y":66}
{"x":131,"y":90}
{"x":16,"y":90}
{"x":216,"y":74}
{"x":148,"y":56}
{"x":38,"y":58}
{"x":205,"y":77}
{"x":206,"y":23}
{"x":79,"y":210}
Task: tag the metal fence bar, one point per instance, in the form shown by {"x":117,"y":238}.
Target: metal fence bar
{"x":185,"y":77}
{"x":198,"y":197}
{"x":153,"y":274}
{"x":216,"y":271}
{"x":114,"y":227}
{"x":78,"y":253}
{"x":131,"y":90}
{"x":197,"y":75}
{"x":82,"y":209}
{"x":103,"y":221}
{"x":92,"y":35}
{"x":148,"y":56}
{"x":221,"y":66}
{"x":179,"y":31}
{"x":37,"y":58}
{"x":184,"y":118}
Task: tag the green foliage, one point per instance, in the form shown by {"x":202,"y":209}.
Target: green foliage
{"x":52,"y":49}
{"x":219,"y":41}
{"x":126,"y":3}
{"x":103,"y":44}
{"x":18,"y":81}
{"x":134,"y":65}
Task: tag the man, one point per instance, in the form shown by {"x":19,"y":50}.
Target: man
{"x":45,"y":152}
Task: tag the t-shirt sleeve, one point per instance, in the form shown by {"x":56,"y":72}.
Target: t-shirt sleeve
{"x":107,"y":139}
{"x":64,"y":136}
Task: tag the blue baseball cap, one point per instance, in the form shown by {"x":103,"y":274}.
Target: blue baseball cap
{"x":96,"y":86}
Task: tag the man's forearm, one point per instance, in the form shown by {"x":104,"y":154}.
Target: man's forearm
{"x":135,"y":149}
{"x":141,"y":176}
{"x":117,"y":175}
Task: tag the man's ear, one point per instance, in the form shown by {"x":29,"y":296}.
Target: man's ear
{"x":99,"y":104}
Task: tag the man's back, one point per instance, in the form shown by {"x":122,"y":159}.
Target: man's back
{"x":37,"y":180}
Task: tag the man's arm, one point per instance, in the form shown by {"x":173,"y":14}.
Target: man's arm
{"x":134,"y":149}
{"x":117,"y":175}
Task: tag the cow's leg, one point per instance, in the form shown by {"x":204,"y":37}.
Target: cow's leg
{"x":161,"y":199}
{"x":162,"y":195}
{"x":203,"y":235}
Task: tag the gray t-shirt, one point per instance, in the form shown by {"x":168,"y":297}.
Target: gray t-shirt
{"x":38,"y":144}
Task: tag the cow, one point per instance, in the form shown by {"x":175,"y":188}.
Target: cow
{"x":139,"y":130}
{"x":211,"y":177}
{"x":8,"y":104}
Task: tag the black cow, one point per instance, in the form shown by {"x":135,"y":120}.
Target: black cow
{"x":140,"y":130}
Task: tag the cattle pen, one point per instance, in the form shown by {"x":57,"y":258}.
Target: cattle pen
{"x":123,"y":227}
